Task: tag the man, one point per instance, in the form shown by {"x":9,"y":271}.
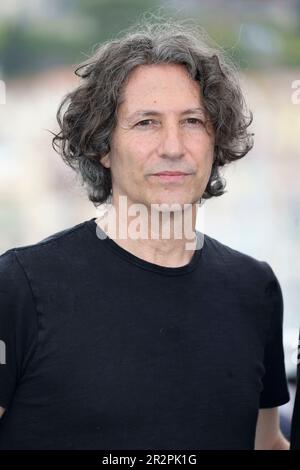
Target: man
{"x":125,"y":338}
{"x":295,"y":433}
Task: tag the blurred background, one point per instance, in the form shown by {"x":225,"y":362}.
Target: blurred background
{"x":42,"y":41}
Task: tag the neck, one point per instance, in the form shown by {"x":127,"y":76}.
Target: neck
{"x":166,"y":238}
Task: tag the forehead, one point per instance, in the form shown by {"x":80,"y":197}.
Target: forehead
{"x":160,"y":84}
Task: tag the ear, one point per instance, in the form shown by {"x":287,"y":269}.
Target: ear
{"x":105,"y":160}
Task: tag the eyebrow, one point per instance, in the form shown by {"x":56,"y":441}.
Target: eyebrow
{"x":150,"y":112}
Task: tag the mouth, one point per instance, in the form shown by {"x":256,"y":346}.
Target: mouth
{"x":171,"y":176}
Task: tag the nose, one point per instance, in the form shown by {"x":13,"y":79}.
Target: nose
{"x":171,"y":142}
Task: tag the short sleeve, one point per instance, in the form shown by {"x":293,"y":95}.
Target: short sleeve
{"x":18,"y":325}
{"x":275,"y":389}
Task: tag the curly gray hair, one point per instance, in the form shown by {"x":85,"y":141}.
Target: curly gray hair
{"x":87,"y":116}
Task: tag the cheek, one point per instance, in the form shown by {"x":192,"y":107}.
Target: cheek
{"x":204,"y":160}
{"x":203,"y":157}
{"x":138,"y":157}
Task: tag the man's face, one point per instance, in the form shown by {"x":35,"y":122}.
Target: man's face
{"x":160,"y":128}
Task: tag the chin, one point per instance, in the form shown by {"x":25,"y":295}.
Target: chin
{"x":171,"y":203}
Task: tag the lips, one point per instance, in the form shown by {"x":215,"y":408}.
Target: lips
{"x":171,"y":176}
{"x":171,"y":173}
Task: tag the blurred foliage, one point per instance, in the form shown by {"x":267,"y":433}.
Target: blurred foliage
{"x":29,"y":43}
{"x":26,"y":46}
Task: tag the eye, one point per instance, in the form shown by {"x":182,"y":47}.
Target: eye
{"x":195,"y":121}
{"x":144,"y":122}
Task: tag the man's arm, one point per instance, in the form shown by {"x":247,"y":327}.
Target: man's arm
{"x":1,"y":411}
{"x":268,"y":435}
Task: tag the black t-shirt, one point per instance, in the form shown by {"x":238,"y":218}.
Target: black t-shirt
{"x":107,"y":351}
{"x":295,"y":433}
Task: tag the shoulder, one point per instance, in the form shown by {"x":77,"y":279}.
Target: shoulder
{"x":235,"y":261}
{"x":45,"y":263}
{"x":254,"y":280}
{"x":60,"y":241}
{"x":47,"y":243}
